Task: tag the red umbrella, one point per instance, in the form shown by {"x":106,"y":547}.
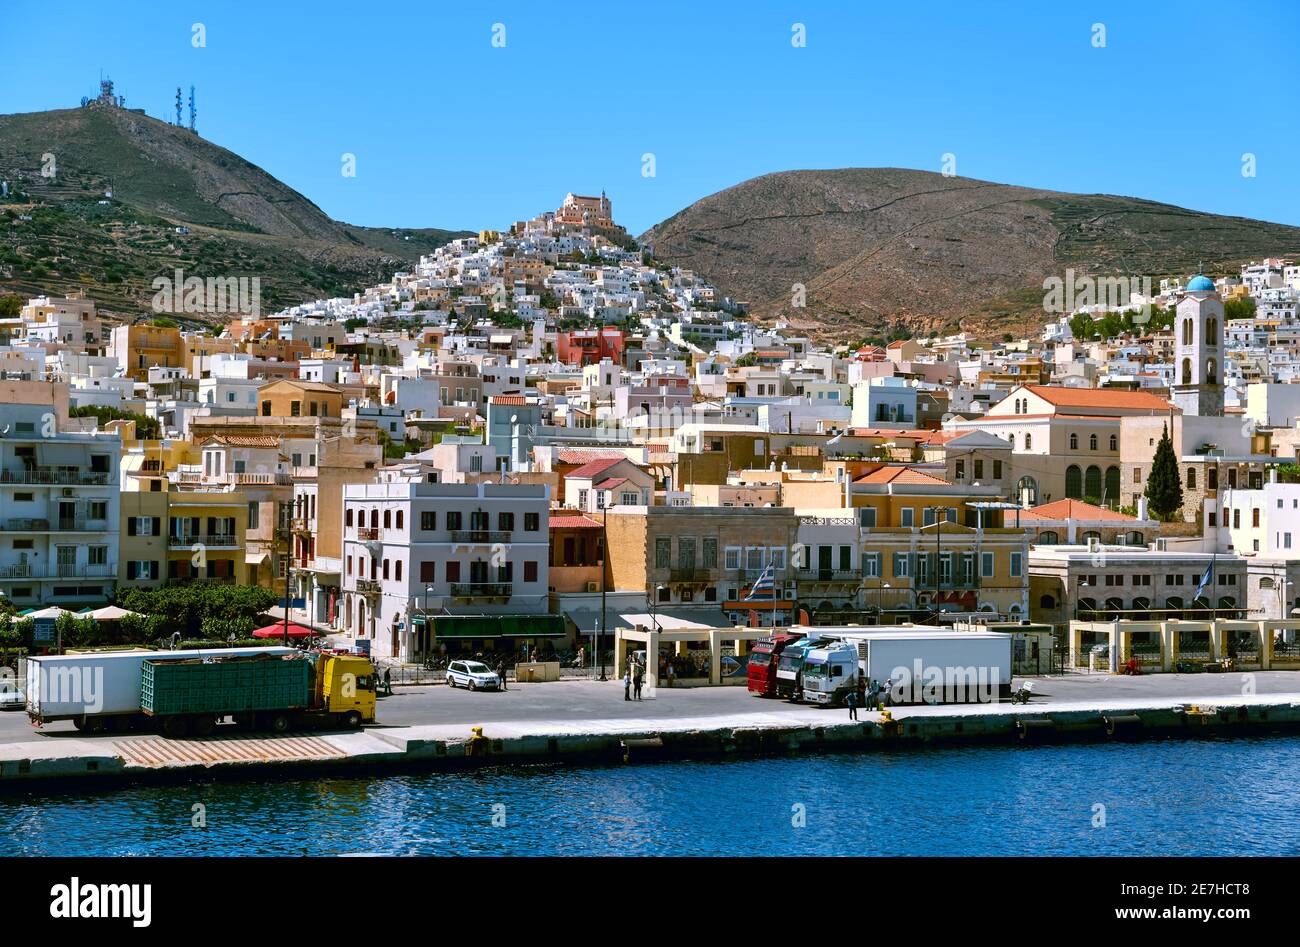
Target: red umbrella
{"x":277,"y":631}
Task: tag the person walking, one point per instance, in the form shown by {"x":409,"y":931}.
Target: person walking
{"x":637,"y":680}
{"x":388,"y":682}
{"x":501,"y":672}
{"x":627,"y":684}
{"x":851,"y":698}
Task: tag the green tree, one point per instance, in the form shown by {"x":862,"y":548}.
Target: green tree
{"x":10,"y":305}
{"x":1164,"y":490}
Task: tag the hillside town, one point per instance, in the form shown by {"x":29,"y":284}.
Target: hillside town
{"x":544,"y":433}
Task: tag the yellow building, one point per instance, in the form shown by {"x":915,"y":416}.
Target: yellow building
{"x":138,"y":348}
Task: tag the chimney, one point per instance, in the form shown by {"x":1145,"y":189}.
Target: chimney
{"x":1142,"y":508}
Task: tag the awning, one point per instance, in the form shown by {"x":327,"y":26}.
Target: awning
{"x":254,"y":558}
{"x":495,"y":626}
{"x":63,"y":455}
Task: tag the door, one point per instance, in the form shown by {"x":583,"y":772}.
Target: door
{"x":67,"y":514}
{"x":824,"y":566}
{"x":67,"y":561}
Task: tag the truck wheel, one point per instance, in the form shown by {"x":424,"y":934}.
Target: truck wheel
{"x":352,"y":719}
{"x":279,"y":723}
{"x":175,"y":727}
{"x":203,"y":725}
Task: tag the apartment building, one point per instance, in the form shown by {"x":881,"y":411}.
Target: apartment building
{"x":58,"y":502}
{"x":418,"y":550}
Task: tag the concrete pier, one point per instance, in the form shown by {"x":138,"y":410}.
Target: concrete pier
{"x":780,"y":730}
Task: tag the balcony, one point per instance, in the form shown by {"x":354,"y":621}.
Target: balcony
{"x":27,"y":570}
{"x":73,"y":525}
{"x":471,"y":536}
{"x":59,"y":476}
{"x":481,"y":590}
{"x":207,"y":540}
{"x":829,"y":575}
{"x":300,"y":524}
{"x":692,"y":574}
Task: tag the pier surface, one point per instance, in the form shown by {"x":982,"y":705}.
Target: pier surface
{"x":587,"y":720}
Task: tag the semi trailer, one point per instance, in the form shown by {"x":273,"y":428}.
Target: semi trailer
{"x":275,"y":688}
{"x":763,"y":660}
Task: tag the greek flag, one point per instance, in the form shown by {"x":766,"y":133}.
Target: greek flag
{"x":836,"y":439}
{"x":763,"y":587}
{"x":1205,"y":581}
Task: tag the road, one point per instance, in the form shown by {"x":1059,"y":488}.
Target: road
{"x":578,"y":700}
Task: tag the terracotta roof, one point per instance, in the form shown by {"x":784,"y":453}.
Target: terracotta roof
{"x":509,"y":399}
{"x":573,"y":521}
{"x":611,"y":483}
{"x":243,"y":440}
{"x":595,"y":467}
{"x":1064,"y":397}
{"x":584,"y":456}
{"x":901,"y":475}
{"x":1059,"y":510}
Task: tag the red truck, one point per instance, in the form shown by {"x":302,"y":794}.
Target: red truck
{"x":763,"y":659}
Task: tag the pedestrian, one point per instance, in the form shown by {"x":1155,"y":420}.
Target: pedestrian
{"x":582,"y":657}
{"x":668,"y":675}
{"x":637,"y":679}
{"x":851,"y":698}
{"x":885,"y":699}
{"x":873,"y":695}
{"x":501,"y":672}
{"x":627,"y":683}
{"x":388,"y":682}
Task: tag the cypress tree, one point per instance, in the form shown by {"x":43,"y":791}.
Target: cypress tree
{"x":1164,"y":492}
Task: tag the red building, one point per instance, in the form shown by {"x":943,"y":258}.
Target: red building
{"x":589,"y":346}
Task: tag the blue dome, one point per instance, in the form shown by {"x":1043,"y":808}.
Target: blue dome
{"x":1200,"y":284}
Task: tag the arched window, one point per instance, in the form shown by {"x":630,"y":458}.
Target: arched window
{"x":1211,"y":372}
{"x":1114,"y":443}
{"x":1092,"y":483}
{"x":1173,"y":603}
{"x":1091,"y":536}
{"x":1141,"y":608}
{"x":1029,"y":441}
{"x":1114,"y":606}
{"x":1112,"y":485}
{"x":1191,"y":478}
{"x":1048,"y":537}
{"x":1212,"y":332}
{"x":374,"y":519}
{"x":1047,"y":602}
{"x":400,"y":518}
{"x":1187,"y":332}
{"x":388,"y":520}
{"x":1087,"y":608}
{"x":1074,"y":442}
{"x":1073,"y":482}
{"x":1135,"y":538}
{"x":1092,"y":442}
{"x":1265,"y":584}
{"x":347,"y":519}
{"x":1187,"y":371}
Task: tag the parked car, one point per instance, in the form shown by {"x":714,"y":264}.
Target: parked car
{"x":472,"y":674}
{"x":11,"y":698}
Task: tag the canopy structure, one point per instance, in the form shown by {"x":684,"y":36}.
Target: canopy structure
{"x":277,"y":631}
{"x":52,"y":611}
{"x":109,"y":613}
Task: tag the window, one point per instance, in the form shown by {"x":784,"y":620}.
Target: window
{"x":506,"y":522}
{"x":530,"y":571}
{"x":582,"y":499}
{"x":907,"y":516}
{"x":1254,"y":517}
{"x":401,"y":519}
{"x":709,"y":553}
{"x":867,"y":516}
{"x":663,"y":552}
{"x":871,"y":565}
{"x":1048,"y":537}
{"x":1092,"y":442}
{"x":902,"y":565}
{"x":997,"y":470}
{"x":532,"y":522}
{"x":1017,"y":565}
{"x":776,"y":556}
{"x":453,"y":572}
{"x":1191,"y":478}
{"x":1074,"y":442}
{"x":428,"y":519}
{"x":986,"y":565}
{"x":979,"y":470}
{"x":961,"y":469}
{"x":453,"y":519}
{"x":255,"y":513}
{"x":388,"y":519}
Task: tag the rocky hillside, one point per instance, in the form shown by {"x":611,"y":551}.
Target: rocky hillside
{"x":881,"y":250}
{"x":241,"y":220}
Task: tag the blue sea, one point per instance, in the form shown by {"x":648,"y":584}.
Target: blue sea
{"x":1225,"y":797}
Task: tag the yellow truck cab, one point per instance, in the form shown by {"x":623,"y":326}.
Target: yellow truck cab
{"x":344,"y":683}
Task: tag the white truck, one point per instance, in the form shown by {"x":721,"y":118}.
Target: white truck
{"x":99,"y":690}
{"x":911,"y":665}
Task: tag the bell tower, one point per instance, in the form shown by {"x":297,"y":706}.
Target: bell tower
{"x":1198,"y":350}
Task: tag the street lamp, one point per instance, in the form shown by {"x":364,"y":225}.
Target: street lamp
{"x":880,"y":602}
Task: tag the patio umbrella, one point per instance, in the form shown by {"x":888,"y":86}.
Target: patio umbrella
{"x":110,"y":613}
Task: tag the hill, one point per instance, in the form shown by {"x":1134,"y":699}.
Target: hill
{"x":241,"y":220}
{"x":884,"y":251}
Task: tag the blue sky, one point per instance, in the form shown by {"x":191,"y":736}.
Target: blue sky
{"x":449,"y":131}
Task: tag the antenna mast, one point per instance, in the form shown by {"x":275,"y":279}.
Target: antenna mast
{"x":191,"y":108}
